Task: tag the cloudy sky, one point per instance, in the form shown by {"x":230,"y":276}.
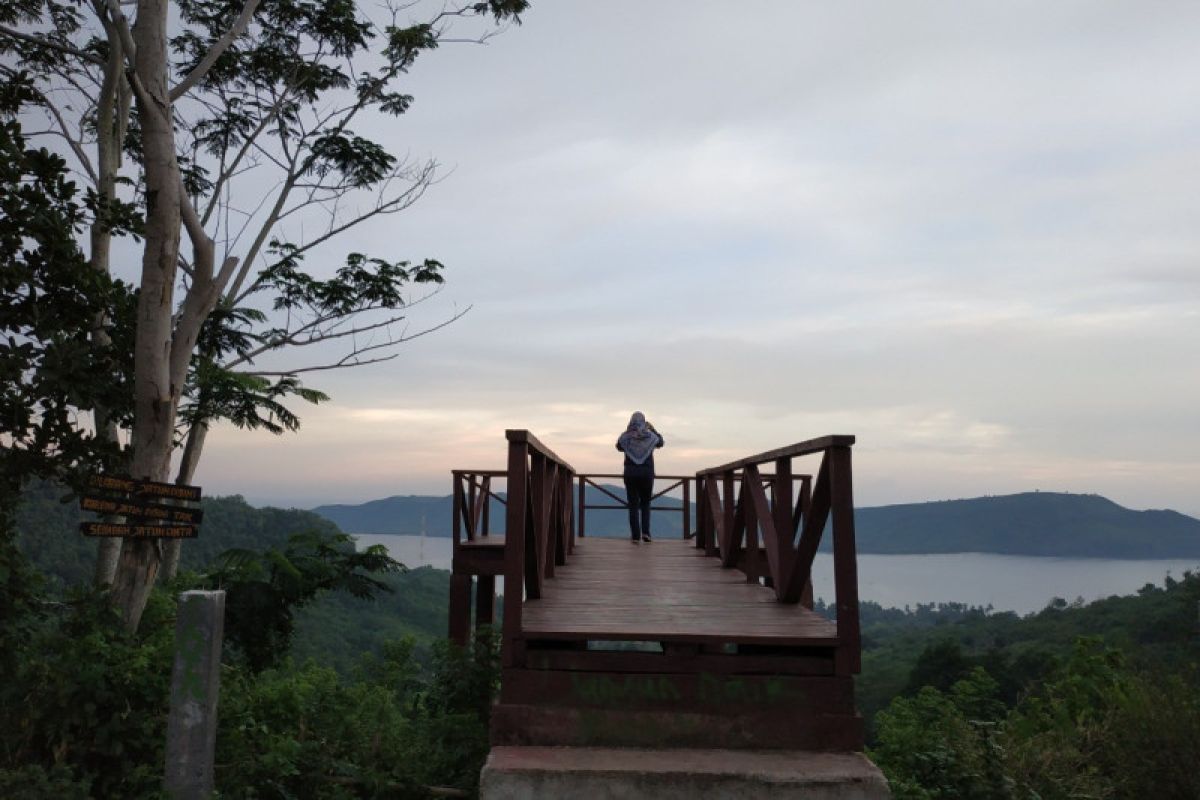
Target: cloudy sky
{"x":966,"y":233}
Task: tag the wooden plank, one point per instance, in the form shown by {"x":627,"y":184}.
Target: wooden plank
{"x":681,"y":691}
{"x":804,"y":448}
{"x":635,"y":662}
{"x":527,"y":438}
{"x":665,"y":592}
{"x":478,"y":561}
{"x":517,"y":724}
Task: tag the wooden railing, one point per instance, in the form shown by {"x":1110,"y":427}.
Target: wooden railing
{"x":473,"y":494}
{"x":675,"y":482}
{"x":539,"y":527}
{"x":733,"y":510}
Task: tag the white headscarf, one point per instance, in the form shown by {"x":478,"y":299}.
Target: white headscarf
{"x":638,"y":441}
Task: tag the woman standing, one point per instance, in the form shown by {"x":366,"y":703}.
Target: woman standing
{"x":638,"y":443}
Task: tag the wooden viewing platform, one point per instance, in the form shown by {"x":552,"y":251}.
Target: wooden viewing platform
{"x":705,"y":641}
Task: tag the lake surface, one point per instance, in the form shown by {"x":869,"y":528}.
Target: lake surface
{"x":1007,"y":583}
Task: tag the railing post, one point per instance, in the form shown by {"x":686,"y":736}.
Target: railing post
{"x":512,"y":651}
{"x":751,"y":516}
{"x":687,"y":507}
{"x":470,"y":509}
{"x":845,"y":568}
{"x":781,"y":514}
{"x":582,"y":506}
{"x":487,"y":505}
{"x":729,"y":510}
{"x":458,"y":510}
{"x":568,"y":483}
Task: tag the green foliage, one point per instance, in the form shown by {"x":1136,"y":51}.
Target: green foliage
{"x":1156,"y":628}
{"x":337,"y":629}
{"x":32,"y":782}
{"x":50,"y":370}
{"x":47,"y":530}
{"x":940,"y":745}
{"x":84,"y":709}
{"x":1095,"y":728}
{"x":304,"y":732}
{"x":264,"y":588}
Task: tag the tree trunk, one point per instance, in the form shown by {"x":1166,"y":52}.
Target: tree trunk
{"x":187,"y":469}
{"x":112,"y":116}
{"x":156,"y":397}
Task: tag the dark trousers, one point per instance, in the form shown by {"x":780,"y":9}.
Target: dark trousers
{"x":638,"y":490}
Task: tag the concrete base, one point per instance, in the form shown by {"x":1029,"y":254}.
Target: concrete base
{"x":598,"y":773}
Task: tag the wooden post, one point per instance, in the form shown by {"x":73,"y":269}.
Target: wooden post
{"x":687,"y":508}
{"x":845,"y":567}
{"x":514,"y":553}
{"x":752,"y":567}
{"x":582,"y":506}
{"x":487,"y":505}
{"x":195,"y":685}
{"x":460,"y":609}
{"x":458,"y":511}
{"x":485,"y":600}
{"x":729,"y":509}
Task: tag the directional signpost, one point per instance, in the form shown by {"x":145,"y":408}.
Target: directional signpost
{"x":152,"y":510}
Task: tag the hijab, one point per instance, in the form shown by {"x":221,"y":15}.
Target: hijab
{"x":638,"y":441}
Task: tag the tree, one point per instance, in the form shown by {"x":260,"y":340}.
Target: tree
{"x":265,"y":589}
{"x":263,"y":85}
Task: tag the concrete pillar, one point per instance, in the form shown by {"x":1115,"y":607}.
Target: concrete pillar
{"x":195,"y":683}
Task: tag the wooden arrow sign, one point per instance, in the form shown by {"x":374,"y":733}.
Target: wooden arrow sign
{"x":143,"y":511}
{"x":106,"y":529}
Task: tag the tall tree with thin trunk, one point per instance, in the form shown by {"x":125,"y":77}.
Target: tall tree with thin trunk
{"x":256,"y":87}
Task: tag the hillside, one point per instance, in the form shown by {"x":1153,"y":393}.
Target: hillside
{"x":1031,"y":524}
{"x":410,"y":514}
{"x":47,"y":523}
{"x":334,"y":630}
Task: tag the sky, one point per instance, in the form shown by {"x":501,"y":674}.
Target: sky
{"x":965,"y":233}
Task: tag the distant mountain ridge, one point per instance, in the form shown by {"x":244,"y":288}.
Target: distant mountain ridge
{"x":1028,"y":524}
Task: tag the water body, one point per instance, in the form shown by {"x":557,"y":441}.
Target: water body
{"x":1007,"y":583}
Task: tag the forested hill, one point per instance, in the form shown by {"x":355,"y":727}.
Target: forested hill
{"x":1032,"y":523}
{"x":47,"y":525}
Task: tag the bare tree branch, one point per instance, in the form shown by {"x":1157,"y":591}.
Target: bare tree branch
{"x":200,"y":70}
{"x":352,"y":359}
{"x":52,"y":44}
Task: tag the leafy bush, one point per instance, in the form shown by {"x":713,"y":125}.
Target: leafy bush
{"x":942,"y":745}
{"x":1096,"y":729}
{"x":87,"y":703}
{"x":304,"y":732}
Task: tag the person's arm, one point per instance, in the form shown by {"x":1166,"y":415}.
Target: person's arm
{"x":654,"y":430}
{"x":622,"y":449}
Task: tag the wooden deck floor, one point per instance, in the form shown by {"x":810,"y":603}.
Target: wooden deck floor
{"x":667,"y":591}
